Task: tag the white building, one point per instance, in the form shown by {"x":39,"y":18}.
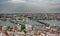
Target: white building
{"x":28,"y":27}
{"x":19,"y":27}
{"x":4,"y":27}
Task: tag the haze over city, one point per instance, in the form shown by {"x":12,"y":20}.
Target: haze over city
{"x":29,"y":6}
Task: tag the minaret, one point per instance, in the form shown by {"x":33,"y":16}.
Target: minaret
{"x":54,"y":21}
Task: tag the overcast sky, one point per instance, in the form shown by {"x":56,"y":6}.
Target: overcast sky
{"x":29,"y":6}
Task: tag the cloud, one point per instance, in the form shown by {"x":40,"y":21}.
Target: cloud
{"x":45,"y":1}
{"x":32,"y":1}
{"x":30,"y":6}
{"x":1,"y":1}
{"x":18,"y":1}
{"x":12,"y":1}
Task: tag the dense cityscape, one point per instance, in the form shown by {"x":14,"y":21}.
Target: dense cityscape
{"x":29,"y":24}
{"x":38,"y":16}
{"x":29,"y":17}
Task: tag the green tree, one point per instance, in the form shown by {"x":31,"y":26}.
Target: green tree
{"x":8,"y":27}
{"x":23,"y":28}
